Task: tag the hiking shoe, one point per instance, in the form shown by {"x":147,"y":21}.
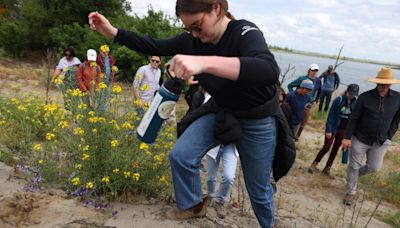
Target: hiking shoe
{"x":349,"y":199}
{"x":327,"y":172}
{"x":313,"y":167}
{"x":196,"y":211}
{"x":219,"y":208}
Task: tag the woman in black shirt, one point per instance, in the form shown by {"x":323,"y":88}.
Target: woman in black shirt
{"x":231,"y":61}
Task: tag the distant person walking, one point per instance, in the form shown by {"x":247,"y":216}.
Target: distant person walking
{"x":335,"y":127}
{"x":311,"y":96}
{"x":371,"y":127}
{"x":330,"y":82}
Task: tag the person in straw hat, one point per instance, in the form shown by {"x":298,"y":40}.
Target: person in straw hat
{"x":371,"y":127}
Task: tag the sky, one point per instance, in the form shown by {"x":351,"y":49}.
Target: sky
{"x":368,"y":29}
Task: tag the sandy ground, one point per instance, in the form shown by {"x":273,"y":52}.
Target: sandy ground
{"x":302,"y":200}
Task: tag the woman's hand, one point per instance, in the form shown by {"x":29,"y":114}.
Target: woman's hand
{"x":100,"y":24}
{"x":185,"y":66}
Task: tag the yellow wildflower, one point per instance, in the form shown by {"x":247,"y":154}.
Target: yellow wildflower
{"x":138,"y":102}
{"x":114,"y":143}
{"x":75,"y":181}
{"x":91,"y":113}
{"x":2,"y":122}
{"x":104,"y":48}
{"x":85,"y":157}
{"x":94,"y":130}
{"x":78,"y":166}
{"x":63,"y":124}
{"x":40,"y":162}
{"x":85,"y":148}
{"x":78,"y":131}
{"x":22,"y":108}
{"x":82,"y":106}
{"x":114,"y":68}
{"x":102,"y":85}
{"x":58,"y":81}
{"x":138,"y":76}
{"x":163,"y":179}
{"x":145,"y":87}
{"x":50,"y":136}
{"x":37,"y":147}
{"x":116,"y":170}
{"x":89,"y":185}
{"x":127,"y":125}
{"x":106,"y":179}
{"x":117,"y":89}
{"x":75,"y":92}
{"x":143,"y":146}
{"x":93,"y":64}
{"x":136,"y":176}
{"x":93,"y":119}
{"x":127,"y":174}
{"x":78,"y":117}
{"x":49,"y":109}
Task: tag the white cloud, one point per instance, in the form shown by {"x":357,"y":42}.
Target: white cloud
{"x":368,"y":28}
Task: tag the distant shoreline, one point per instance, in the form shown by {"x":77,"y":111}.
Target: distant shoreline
{"x":343,"y":58}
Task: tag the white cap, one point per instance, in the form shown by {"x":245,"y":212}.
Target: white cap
{"x":91,"y":55}
{"x":313,"y":66}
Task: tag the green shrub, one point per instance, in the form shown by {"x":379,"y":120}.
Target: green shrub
{"x":85,"y":150}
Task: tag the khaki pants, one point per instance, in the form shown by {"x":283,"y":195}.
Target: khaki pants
{"x":358,"y":150}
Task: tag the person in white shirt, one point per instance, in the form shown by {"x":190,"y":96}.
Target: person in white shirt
{"x":146,"y":82}
{"x":68,"y":60}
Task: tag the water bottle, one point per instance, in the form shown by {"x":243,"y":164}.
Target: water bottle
{"x":345,"y":155}
{"x":160,"y":109}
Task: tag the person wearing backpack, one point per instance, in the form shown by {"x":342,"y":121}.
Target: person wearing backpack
{"x":88,"y":77}
{"x":336,"y":125}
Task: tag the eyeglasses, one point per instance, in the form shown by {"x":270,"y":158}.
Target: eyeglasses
{"x":155,"y":61}
{"x":196,"y":26}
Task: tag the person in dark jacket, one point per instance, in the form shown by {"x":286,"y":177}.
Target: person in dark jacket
{"x":330,"y":82}
{"x":311,"y":96}
{"x":370,"y":129}
{"x":335,"y":127}
{"x":232,"y":62}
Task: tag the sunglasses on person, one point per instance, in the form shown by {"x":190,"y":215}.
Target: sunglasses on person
{"x":155,"y":61}
{"x":196,"y":26}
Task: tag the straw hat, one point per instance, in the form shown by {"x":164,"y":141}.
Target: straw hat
{"x":385,"y":76}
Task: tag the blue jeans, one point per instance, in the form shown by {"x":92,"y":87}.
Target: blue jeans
{"x":229,"y":161}
{"x":256,"y":149}
{"x":325,"y":97}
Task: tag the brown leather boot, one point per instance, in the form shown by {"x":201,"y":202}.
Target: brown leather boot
{"x":196,"y":211}
{"x":327,"y":172}
{"x":313,"y":167}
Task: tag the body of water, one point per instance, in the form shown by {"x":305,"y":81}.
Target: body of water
{"x":349,"y":72}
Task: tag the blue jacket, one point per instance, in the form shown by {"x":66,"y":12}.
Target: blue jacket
{"x":333,"y":120}
{"x":331,"y":81}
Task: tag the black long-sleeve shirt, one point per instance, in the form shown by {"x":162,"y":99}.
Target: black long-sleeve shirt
{"x":259,"y":71}
{"x":375,"y":118}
